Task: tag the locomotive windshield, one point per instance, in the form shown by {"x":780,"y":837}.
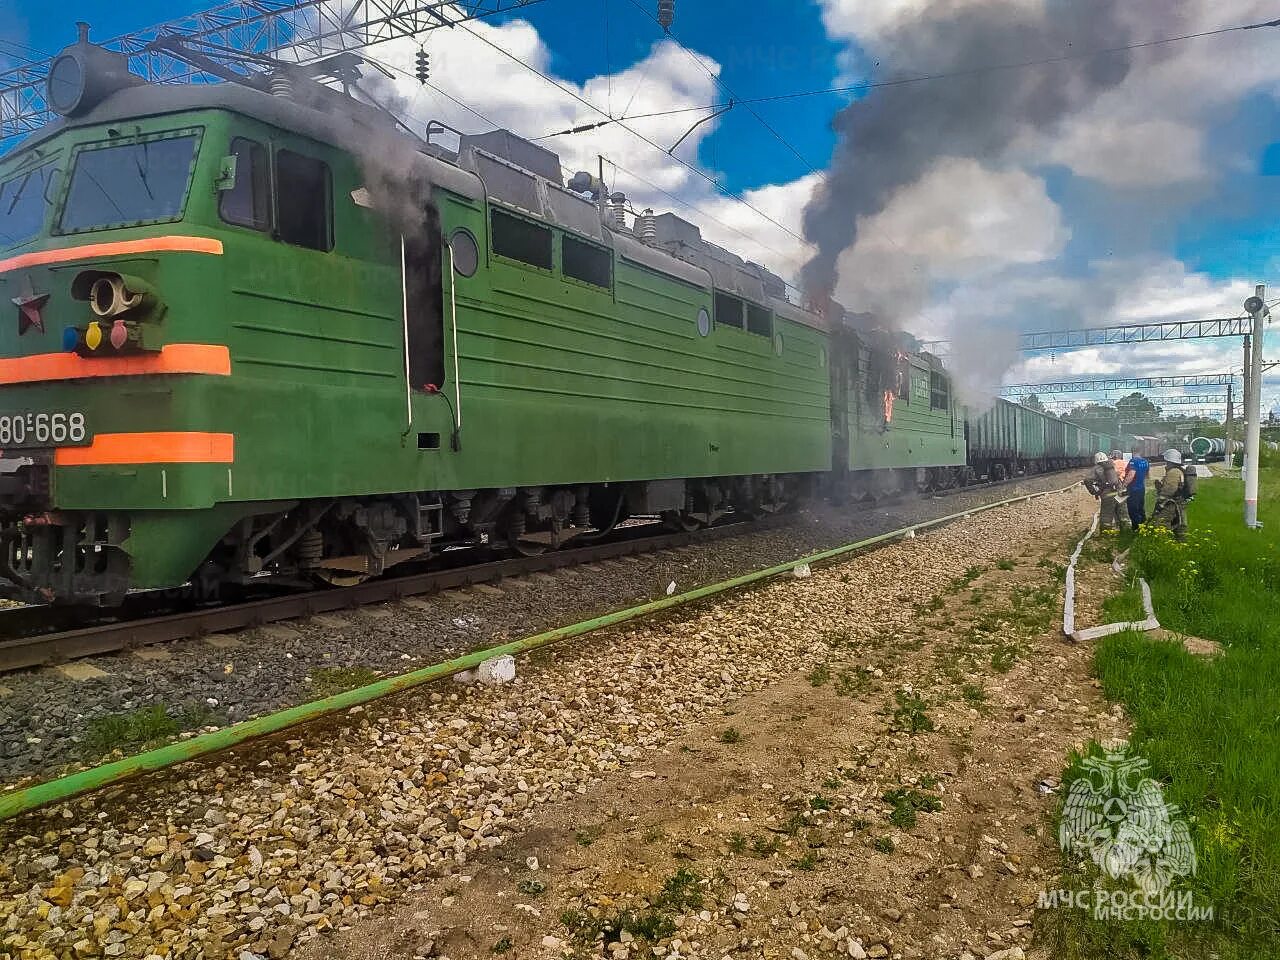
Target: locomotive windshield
{"x":122,"y":184}
{"x":23,"y":204}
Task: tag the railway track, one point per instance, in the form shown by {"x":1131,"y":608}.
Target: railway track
{"x":40,"y":636}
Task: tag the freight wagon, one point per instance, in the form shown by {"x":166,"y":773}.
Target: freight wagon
{"x":1010,"y":440}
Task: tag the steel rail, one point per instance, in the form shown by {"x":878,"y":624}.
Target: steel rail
{"x":34,"y":651}
{"x":22,"y":801}
{"x":135,"y":630}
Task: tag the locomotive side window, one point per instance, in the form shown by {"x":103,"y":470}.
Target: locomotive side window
{"x":586,"y":262}
{"x":939,"y":392}
{"x":521,"y":240}
{"x":759,"y":321}
{"x":729,"y":312}
{"x":304,"y":201}
{"x":248,"y":202}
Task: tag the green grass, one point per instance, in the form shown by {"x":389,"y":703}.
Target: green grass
{"x":1125,"y":606}
{"x":906,"y":803}
{"x":807,"y":862}
{"x":328,"y":681}
{"x":531,"y":887}
{"x":765,"y":847}
{"x":819,"y":675}
{"x":911,"y":713}
{"x":1210,"y":728}
{"x":965,"y":579}
{"x":730,"y":735}
{"x":146,"y":725}
{"x":681,"y":893}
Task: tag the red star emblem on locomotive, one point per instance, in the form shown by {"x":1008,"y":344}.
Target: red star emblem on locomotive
{"x":29,"y":305}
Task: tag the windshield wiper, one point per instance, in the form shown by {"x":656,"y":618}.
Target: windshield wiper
{"x":17,"y":194}
{"x":103,"y":190}
{"x":144,"y":169}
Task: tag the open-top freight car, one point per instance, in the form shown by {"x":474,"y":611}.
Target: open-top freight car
{"x":259,"y":331}
{"x":1009,"y":440}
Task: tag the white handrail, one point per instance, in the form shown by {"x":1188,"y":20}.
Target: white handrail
{"x":404,"y":315}
{"x":453,"y":319}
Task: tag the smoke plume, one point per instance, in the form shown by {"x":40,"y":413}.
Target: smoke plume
{"x":896,"y":133}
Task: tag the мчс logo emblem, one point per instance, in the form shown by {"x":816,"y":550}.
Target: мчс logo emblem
{"x":1118,"y":816}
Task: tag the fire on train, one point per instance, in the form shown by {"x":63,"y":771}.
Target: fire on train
{"x":235,"y":351}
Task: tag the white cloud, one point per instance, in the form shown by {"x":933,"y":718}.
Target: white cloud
{"x":753,"y":237}
{"x":1112,"y":293}
{"x":1142,"y":153}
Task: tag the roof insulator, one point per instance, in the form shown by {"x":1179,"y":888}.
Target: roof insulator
{"x":666,"y":14}
{"x":422,"y":65}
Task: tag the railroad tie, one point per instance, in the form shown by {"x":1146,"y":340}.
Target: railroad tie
{"x":330,"y":622}
{"x":223,"y":641}
{"x":80,"y":671}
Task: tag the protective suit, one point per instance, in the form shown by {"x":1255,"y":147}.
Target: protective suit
{"x":1105,"y":484}
{"x":1171,"y":496}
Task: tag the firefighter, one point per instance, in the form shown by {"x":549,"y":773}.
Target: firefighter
{"x":1105,"y":485}
{"x":1171,"y":496}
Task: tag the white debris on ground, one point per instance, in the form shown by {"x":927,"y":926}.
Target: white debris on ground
{"x":275,"y":844}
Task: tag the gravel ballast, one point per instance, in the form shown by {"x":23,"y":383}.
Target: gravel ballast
{"x":47,"y":719}
{"x":271,"y":846}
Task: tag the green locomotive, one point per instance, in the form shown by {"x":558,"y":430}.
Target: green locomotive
{"x":261,"y":332}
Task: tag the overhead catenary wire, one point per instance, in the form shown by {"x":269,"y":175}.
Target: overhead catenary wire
{"x":684,"y":203}
{"x":733,"y":96}
{"x":1015,"y":65}
{"x":583,"y":128}
{"x":866,"y":85}
{"x":635,"y":133}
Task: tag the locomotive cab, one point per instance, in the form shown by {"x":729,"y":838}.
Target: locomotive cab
{"x":147,"y":237}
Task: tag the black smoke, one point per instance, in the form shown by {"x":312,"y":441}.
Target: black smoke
{"x":893,"y":135}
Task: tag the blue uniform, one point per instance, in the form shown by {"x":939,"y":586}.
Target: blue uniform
{"x":1138,"y":491}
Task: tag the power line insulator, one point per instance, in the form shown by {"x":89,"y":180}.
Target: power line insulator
{"x":666,"y":14}
{"x":422,"y":65}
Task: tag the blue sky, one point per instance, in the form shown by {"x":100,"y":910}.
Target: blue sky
{"x":780,"y":45}
{"x":1157,"y":201}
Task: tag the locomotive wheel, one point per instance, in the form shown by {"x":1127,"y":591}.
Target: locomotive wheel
{"x":534,"y":543}
{"x":340,"y":578}
{"x":681,"y":521}
{"x":526,"y":546}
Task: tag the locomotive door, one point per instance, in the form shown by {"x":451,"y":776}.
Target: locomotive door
{"x":423,"y":278}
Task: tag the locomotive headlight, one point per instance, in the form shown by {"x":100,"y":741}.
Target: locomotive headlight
{"x":112,"y":294}
{"x":110,"y":297}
